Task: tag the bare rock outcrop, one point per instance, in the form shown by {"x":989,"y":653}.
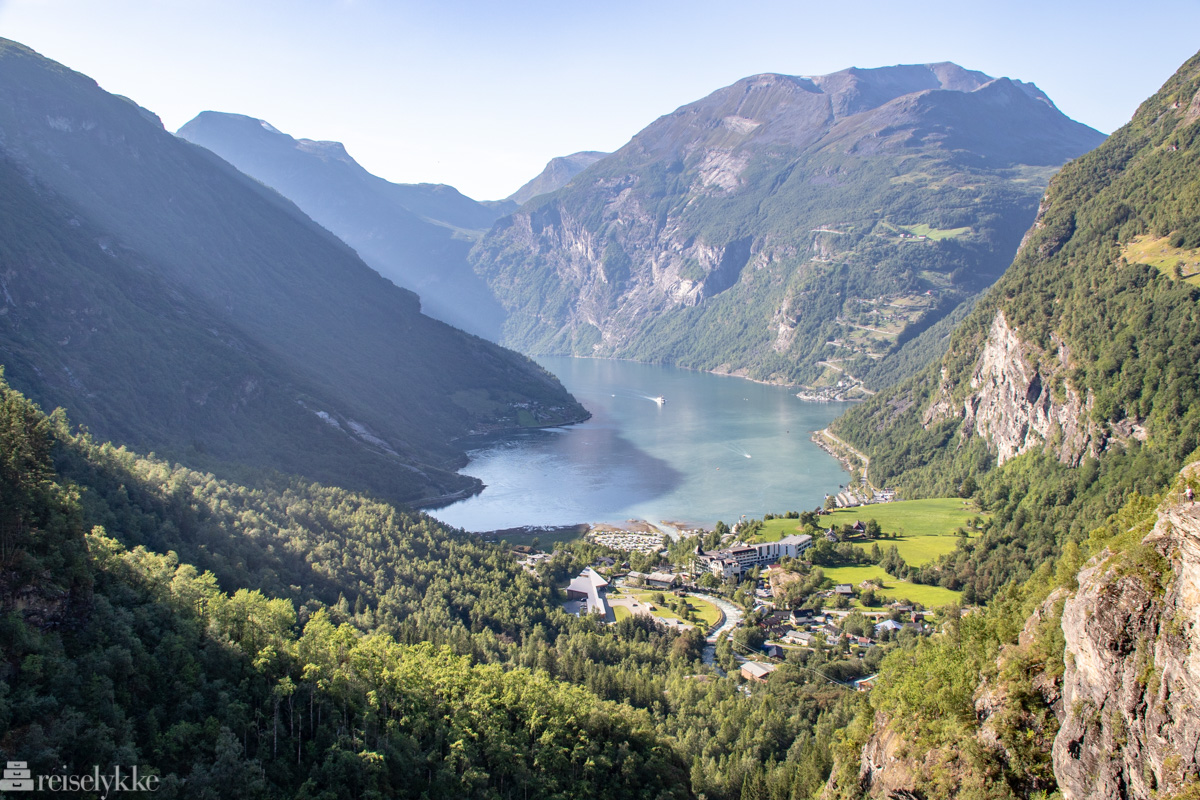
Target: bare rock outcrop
{"x":884,"y":771}
{"x":1020,"y":399}
{"x":1131,"y":691}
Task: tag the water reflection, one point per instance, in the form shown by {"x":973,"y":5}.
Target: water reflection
{"x":715,"y":449}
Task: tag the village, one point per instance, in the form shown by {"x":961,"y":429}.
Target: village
{"x":762,"y":592}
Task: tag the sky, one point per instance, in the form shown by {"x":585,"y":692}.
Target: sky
{"x":480,"y":95}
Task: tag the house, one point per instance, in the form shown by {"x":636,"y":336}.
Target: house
{"x":800,"y":637}
{"x":801,"y":616}
{"x":591,"y":588}
{"x":661,"y":580}
{"x":887,"y":625}
{"x":773,"y":650}
{"x":845,"y":589}
{"x":754,"y":671}
{"x":776,"y":623}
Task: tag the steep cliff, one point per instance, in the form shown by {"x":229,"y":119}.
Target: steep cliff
{"x":1086,"y":678}
{"x":785,"y":228}
{"x":1131,"y":692}
{"x":1020,"y":400}
{"x":1088,"y":343}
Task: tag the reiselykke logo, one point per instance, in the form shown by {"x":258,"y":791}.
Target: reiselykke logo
{"x":19,"y":778}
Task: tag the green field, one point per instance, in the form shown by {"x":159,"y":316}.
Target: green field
{"x":924,"y":528}
{"x":621,"y":612}
{"x":775,"y":529}
{"x":935,"y":233}
{"x":1158,"y":253}
{"x":519,"y":536}
{"x":928,"y":596}
{"x":706,"y":612}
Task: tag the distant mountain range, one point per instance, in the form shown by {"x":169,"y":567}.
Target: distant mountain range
{"x":557,"y":174}
{"x":417,"y":236}
{"x":785,"y":228}
{"x":174,"y":304}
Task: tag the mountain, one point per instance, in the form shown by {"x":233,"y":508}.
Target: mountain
{"x":1072,"y":383}
{"x":177,"y":305}
{"x":557,"y":174}
{"x":785,"y":228}
{"x":1087,"y":345}
{"x":417,"y":236}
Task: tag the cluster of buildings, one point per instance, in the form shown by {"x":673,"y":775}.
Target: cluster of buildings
{"x":741,"y":558}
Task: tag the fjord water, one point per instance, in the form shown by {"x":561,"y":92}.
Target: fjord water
{"x":717,"y":448}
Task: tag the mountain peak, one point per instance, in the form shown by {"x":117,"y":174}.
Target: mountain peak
{"x":557,"y":174}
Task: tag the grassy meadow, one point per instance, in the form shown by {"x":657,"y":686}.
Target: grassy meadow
{"x":928,"y":596}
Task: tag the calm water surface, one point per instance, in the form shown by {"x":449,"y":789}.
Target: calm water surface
{"x":717,"y":448}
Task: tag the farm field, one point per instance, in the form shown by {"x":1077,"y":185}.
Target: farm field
{"x":928,"y":596}
{"x":924,"y":528}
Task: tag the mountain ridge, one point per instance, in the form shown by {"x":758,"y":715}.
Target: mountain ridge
{"x":416,"y":235}
{"x":774,"y":208}
{"x":557,"y":173}
{"x":234,"y":274}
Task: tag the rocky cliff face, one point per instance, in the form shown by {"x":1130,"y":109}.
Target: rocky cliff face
{"x":783,"y":223}
{"x":1099,"y":695}
{"x":1020,"y":399}
{"x":1131,"y":692}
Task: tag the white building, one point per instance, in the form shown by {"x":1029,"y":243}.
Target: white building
{"x":741,"y":558}
{"x":590,"y":587}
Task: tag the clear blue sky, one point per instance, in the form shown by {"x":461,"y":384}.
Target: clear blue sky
{"x":480,"y":95}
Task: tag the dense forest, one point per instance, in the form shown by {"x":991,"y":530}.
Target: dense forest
{"x":306,"y":641}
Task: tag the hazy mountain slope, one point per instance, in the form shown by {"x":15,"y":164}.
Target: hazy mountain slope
{"x":557,"y":174}
{"x":785,"y":221}
{"x":223,"y":290}
{"x":417,"y":236}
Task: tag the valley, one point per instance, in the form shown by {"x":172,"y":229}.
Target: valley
{"x":234,"y":377}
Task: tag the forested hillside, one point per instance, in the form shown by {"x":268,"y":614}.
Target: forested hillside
{"x":785,"y":228}
{"x":1073,"y":382}
{"x":307,"y":641}
{"x":178,"y":306}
